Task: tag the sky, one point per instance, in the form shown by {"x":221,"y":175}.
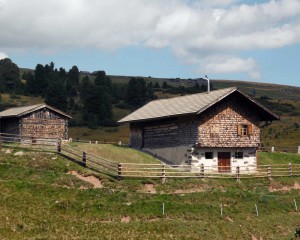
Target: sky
{"x":225,"y":39}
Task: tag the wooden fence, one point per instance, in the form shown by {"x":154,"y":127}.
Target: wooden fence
{"x":23,"y":141}
{"x":187,"y":171}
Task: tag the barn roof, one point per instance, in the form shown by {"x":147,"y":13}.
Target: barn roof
{"x":20,"y":111}
{"x":189,"y":104}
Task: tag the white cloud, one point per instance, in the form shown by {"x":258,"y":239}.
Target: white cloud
{"x":194,"y":30}
{"x":3,"y":55}
{"x":230,"y":64}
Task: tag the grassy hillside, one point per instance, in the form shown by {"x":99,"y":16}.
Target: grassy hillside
{"x":40,"y":199}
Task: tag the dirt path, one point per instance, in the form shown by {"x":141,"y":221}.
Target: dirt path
{"x":91,"y":179}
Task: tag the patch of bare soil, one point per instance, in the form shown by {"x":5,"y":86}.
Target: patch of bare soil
{"x":296,"y":186}
{"x":125,"y":219}
{"x":90,"y":179}
{"x":149,"y":188}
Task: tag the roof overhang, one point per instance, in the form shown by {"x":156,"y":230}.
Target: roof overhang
{"x":18,"y":112}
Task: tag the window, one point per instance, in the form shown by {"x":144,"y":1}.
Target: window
{"x":209,"y":155}
{"x":239,"y":155}
{"x":245,"y":130}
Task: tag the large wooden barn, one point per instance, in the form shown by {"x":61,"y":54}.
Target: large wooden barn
{"x":36,"y":121}
{"x":220,"y":129}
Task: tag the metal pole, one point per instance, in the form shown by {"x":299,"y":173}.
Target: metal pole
{"x":208,"y":83}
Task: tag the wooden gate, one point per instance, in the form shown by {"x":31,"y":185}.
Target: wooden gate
{"x":224,"y":162}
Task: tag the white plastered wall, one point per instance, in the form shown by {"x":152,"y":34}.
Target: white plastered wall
{"x":247,"y":164}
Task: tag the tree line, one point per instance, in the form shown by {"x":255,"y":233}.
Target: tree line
{"x":89,"y":99}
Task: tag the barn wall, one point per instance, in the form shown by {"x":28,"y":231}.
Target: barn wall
{"x":218,"y":125}
{"x":167,"y":139}
{"x":136,"y":136}
{"x":165,"y":132}
{"x":44,"y":123}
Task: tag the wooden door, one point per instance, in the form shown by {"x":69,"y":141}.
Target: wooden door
{"x":224,"y":162}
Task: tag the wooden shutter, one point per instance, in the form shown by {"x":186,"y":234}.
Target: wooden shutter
{"x":250,"y":129}
{"x":239,"y":129}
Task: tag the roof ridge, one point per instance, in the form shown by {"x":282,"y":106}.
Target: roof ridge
{"x":191,"y":95}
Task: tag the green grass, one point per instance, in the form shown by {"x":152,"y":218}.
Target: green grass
{"x":104,"y":134}
{"x":277,"y":158}
{"x":116,"y":153}
{"x":40,"y":200}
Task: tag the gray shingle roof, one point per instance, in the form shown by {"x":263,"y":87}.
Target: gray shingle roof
{"x":190,"y":104}
{"x":193,"y":103}
{"x":20,"y":111}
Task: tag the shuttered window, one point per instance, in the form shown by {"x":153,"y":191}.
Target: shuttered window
{"x":245,"y":129}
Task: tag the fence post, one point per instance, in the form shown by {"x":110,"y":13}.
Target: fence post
{"x":290,"y":169}
{"x":269,"y":172}
{"x":163,"y":172}
{"x":59,"y":146}
{"x":0,"y":141}
{"x":298,"y":149}
{"x":272,"y":149}
{"x":84,"y":158}
{"x":202,"y":170}
{"x":238,"y":178}
{"x":119,"y":171}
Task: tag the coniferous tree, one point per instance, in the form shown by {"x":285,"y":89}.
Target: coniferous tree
{"x":72,"y":83}
{"x":136,"y":92}
{"x":56,"y":95}
{"x":150,"y":92}
{"x":9,"y":76}
{"x":40,"y":83}
{"x":98,"y":101}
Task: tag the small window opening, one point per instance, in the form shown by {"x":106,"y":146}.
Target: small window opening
{"x":239,"y":155}
{"x":209,"y":155}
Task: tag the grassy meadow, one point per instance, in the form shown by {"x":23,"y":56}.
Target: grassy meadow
{"x":40,"y":199}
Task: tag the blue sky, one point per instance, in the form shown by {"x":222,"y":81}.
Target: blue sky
{"x":224,"y":39}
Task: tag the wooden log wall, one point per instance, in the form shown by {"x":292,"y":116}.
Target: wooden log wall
{"x":44,"y":123}
{"x":165,"y":133}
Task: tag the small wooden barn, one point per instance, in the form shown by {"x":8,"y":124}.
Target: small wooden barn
{"x":220,"y":129}
{"x":36,"y":121}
